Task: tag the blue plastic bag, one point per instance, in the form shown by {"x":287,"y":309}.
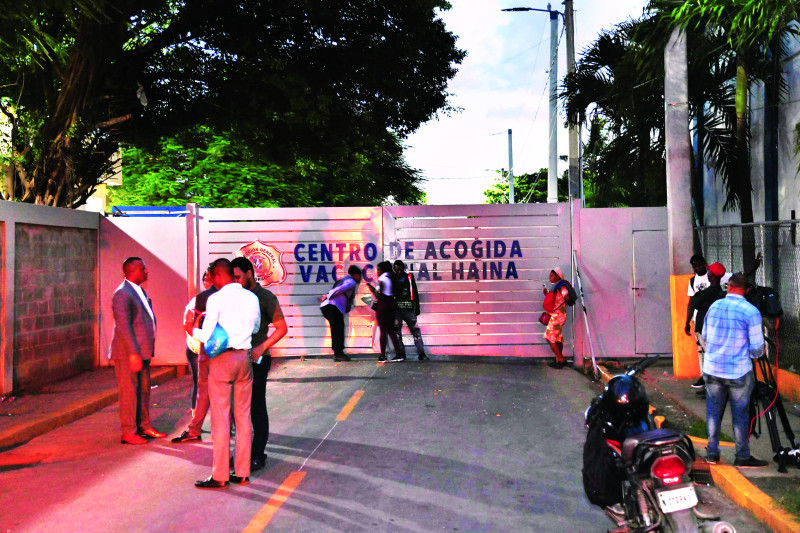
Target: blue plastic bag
{"x":217,"y":343}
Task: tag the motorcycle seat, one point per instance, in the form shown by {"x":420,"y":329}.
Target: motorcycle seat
{"x":656,"y":437}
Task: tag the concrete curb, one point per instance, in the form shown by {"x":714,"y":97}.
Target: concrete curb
{"x":739,"y":489}
{"x":750,"y":497}
{"x":69,"y":413}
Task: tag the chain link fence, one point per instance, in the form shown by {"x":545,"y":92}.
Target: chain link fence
{"x":780,"y":245}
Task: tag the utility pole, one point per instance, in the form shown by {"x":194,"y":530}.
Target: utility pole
{"x":510,"y":170}
{"x":552,"y":167}
{"x":575,"y":178}
{"x":679,"y":198}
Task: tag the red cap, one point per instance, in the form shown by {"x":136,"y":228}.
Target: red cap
{"x":717,"y":269}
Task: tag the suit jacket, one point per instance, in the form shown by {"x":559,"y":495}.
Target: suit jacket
{"x":134,"y":330}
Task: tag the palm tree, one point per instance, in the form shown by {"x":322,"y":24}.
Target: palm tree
{"x":622,"y":105}
{"x":753,"y":31}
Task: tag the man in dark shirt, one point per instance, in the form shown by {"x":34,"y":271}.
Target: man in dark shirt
{"x":407,"y":298}
{"x":244,"y":274}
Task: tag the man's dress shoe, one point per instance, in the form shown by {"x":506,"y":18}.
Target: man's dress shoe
{"x":133,"y":438}
{"x":186,"y":437}
{"x":239,"y":480}
{"x":257,"y":464}
{"x":211,"y":483}
{"x":152,"y":433}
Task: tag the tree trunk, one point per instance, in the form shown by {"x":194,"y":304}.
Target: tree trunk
{"x":743,"y":185}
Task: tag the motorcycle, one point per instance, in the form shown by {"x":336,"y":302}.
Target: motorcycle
{"x":640,"y":474}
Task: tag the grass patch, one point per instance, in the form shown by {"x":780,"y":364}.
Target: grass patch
{"x":698,"y":429}
{"x":790,"y":500}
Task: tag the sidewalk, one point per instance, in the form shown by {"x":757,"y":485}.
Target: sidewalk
{"x":34,"y":414}
{"x":755,"y":489}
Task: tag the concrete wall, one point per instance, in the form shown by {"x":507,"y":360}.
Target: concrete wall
{"x":55,"y":303}
{"x":162,"y":243}
{"x":624,"y":316}
{"x":48,"y":292}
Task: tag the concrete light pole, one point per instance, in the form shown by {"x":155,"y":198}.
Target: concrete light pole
{"x":552,"y":166}
{"x":679,"y":198}
{"x":575,"y":178}
{"x":510,"y":170}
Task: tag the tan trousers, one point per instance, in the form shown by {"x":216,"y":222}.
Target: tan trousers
{"x":230,"y":372}
{"x":203,"y":403}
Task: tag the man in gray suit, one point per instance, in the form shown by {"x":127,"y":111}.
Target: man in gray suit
{"x":132,"y":348}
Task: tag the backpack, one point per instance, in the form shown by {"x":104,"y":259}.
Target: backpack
{"x":766,"y":300}
{"x":573,"y":296}
{"x":602,"y":479}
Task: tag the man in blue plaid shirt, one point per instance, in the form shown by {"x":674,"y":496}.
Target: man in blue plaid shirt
{"x":734,"y":337}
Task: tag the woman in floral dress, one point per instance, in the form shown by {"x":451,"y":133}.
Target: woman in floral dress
{"x":553,"y":333}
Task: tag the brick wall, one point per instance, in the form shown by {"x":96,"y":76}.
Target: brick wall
{"x":54,"y":307}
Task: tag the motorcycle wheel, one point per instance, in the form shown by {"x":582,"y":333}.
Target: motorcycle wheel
{"x":680,"y":522}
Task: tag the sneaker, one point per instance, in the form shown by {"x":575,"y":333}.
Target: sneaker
{"x":423,"y":357}
{"x":382,"y":359}
{"x":699,"y":384}
{"x":396,"y":359}
{"x":712,"y":459}
{"x":750,"y":462}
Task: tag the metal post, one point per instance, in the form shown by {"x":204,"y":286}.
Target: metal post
{"x":575,"y":178}
{"x":552,"y":167}
{"x":510,"y":170}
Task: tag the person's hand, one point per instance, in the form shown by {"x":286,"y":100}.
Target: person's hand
{"x":135,"y":361}
{"x":545,"y":291}
{"x":759,"y":258}
{"x":688,"y":329}
{"x":258,"y":351}
{"x":322,"y":298}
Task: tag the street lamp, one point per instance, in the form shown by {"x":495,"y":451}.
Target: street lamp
{"x":552,"y":172}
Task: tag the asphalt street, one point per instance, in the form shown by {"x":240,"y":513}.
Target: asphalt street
{"x":437,"y":446}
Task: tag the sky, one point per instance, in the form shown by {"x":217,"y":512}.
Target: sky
{"x":501,"y":85}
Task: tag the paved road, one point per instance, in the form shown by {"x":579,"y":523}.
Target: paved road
{"x":426,"y":447}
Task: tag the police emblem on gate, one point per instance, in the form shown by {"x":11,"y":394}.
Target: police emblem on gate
{"x":267,"y":262}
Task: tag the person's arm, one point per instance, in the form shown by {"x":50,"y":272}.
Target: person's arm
{"x":689,"y":315}
{"x":279,"y":331}
{"x":415,"y":294}
{"x":755,"y":334}
{"x":210,"y":322}
{"x":759,"y":258}
{"x":188,"y":316}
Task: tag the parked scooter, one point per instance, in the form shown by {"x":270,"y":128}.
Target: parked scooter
{"x":639,"y":474}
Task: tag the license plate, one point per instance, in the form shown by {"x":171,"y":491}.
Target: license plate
{"x":677,"y":499}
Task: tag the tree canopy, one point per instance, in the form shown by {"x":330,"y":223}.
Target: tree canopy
{"x":330,"y":82}
{"x":212,"y":170}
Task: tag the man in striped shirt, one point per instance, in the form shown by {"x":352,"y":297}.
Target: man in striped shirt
{"x":732,"y":329}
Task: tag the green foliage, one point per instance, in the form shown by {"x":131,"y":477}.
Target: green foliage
{"x":753,"y":36}
{"x":528,"y":188}
{"x":328,"y":82}
{"x":622,"y":106}
{"x":213,"y":170}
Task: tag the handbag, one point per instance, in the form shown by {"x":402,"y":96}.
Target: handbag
{"x":544,"y":318}
{"x":217,"y":343}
